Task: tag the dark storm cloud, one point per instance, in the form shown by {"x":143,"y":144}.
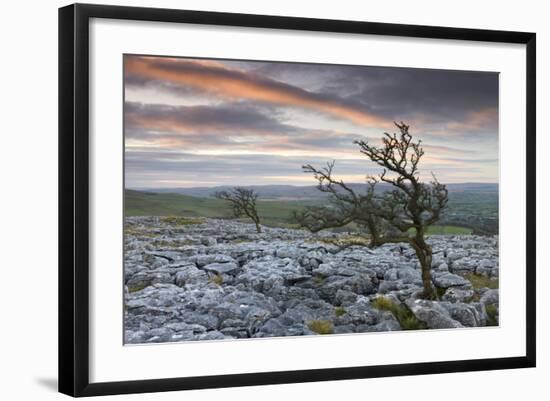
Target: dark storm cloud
{"x":397,"y":93}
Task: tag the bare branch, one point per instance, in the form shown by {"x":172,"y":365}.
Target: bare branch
{"x":243,"y":203}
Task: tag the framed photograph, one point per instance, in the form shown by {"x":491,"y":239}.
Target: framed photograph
{"x":251,"y":199}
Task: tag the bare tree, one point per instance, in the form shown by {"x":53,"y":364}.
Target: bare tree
{"x":400,"y":215}
{"x":243,"y":203}
{"x":345,"y":206}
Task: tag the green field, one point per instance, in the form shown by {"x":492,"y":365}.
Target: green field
{"x":137,"y":203}
{"x":275,"y":213}
{"x":448,"y":230}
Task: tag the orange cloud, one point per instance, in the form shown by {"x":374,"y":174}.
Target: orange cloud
{"x":213,"y":77}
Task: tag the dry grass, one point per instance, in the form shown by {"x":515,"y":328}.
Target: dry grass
{"x":137,"y":288}
{"x":216,"y":279}
{"x":347,"y":240}
{"x":180,"y":221}
{"x":339,"y":311}
{"x":478,"y":281}
{"x":321,"y":326}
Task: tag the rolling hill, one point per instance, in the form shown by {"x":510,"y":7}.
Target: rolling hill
{"x":472,"y":207}
{"x":295,"y":192}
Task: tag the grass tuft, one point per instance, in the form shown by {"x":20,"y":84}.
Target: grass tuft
{"x":478,"y":281}
{"x":138,"y":232}
{"x":137,"y":288}
{"x":492,"y":315}
{"x":383,"y":303}
{"x":402,"y":313}
{"x":321,"y":326}
{"x":216,"y":279}
{"x":339,"y":311}
{"x":319,"y":280}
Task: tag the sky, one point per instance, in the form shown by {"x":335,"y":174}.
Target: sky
{"x":208,"y":122}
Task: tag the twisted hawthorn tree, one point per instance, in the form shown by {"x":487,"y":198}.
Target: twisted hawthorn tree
{"x":345,"y":206}
{"x":399,"y":215}
{"x":243,"y":203}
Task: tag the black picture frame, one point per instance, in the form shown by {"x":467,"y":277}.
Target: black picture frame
{"x":74,"y":198}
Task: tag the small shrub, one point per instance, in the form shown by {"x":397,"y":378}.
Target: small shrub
{"x":478,"y":281}
{"x":492,"y":315}
{"x":339,"y":311}
{"x":321,"y":326}
{"x":216,"y":279}
{"x":402,"y":313}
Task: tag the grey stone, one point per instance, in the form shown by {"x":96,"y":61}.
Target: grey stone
{"x":491,"y":272}
{"x":139,"y":281}
{"x":362,"y":312}
{"x":276,"y":282}
{"x":222,"y":268}
{"x":409,"y":276}
{"x":288,"y":252}
{"x":211,"y":335}
{"x":432,"y":314}
{"x":359,"y":284}
{"x":444,"y":267}
{"x":446,"y":280}
{"x":386,"y":325}
{"x":190,"y":275}
{"x":466,"y":314}
{"x":208,"y":241}
{"x":162,"y":277}
{"x":203,"y":260}
{"x":345,"y":329}
{"x":490,"y":297}
{"x":324,"y":270}
{"x":454,"y":294}
{"x":343,"y":297}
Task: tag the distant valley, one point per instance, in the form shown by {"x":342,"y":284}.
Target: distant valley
{"x":295,"y":192}
{"x":472,"y":208}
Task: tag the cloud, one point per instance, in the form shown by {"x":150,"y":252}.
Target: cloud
{"x":228,"y":128}
{"x":485,"y":120}
{"x":149,"y":168}
{"x":234,"y":84}
{"x":198,"y":119}
{"x":192,"y":121}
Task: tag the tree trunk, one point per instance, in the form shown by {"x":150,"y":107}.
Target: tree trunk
{"x":258,"y":227}
{"x":374,"y":233}
{"x":424,"y":255}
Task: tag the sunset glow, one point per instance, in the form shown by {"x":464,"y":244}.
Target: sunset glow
{"x":191,"y":122}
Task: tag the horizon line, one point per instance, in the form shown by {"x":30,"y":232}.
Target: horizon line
{"x":292,"y":185}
